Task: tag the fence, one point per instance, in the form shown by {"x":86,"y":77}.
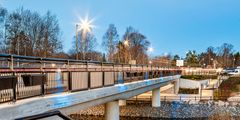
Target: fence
{"x":181,"y":98}
{"x":32,"y":76}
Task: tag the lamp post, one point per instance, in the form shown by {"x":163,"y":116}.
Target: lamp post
{"x":5,"y":38}
{"x":150,"y":50}
{"x":212,"y":63}
{"x":127,"y":45}
{"x":234,"y":62}
{"x":85,"y":26}
{"x":76,"y":41}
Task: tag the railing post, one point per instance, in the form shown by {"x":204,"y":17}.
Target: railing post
{"x":41,"y":67}
{"x":89,"y":80}
{"x":11,"y":66}
{"x":151,"y":72}
{"x":142,"y":73}
{"x":42,"y":85}
{"x":70,"y":81}
{"x":87,"y":65}
{"x":14,"y":90}
{"x":114,"y":75}
{"x":130,"y":72}
{"x":103,"y":78}
{"x":123,"y":74}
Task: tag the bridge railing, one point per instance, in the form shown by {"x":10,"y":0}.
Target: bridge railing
{"x":64,"y":75}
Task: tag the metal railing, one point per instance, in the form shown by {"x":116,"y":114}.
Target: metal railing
{"x":67,"y":75}
{"x":196,"y":98}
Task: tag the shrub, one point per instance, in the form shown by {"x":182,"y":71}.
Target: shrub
{"x":199,"y":77}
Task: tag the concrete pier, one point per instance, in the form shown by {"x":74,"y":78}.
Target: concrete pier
{"x":156,"y":99}
{"x":176,"y":86}
{"x":112,"y":110}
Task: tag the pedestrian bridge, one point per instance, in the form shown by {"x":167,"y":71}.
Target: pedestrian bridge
{"x":32,"y":85}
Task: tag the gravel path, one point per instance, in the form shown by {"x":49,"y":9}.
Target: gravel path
{"x":168,"y":110}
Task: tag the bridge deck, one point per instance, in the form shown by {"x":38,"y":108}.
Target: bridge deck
{"x":71,"y":102}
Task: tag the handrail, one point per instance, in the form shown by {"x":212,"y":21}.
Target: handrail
{"x":40,"y":59}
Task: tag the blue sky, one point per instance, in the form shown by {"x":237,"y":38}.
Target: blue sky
{"x":172,"y":26}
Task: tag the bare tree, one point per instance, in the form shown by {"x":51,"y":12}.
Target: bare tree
{"x":3,"y":14}
{"x":192,"y":58}
{"x":225,"y":53}
{"x":32,"y":34}
{"x":110,"y":39}
{"x":137,"y":44}
{"x":87,"y":44}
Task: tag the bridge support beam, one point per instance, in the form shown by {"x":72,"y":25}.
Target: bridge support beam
{"x":122,"y":102}
{"x":156,"y":100}
{"x":176,"y":86}
{"x":112,"y":110}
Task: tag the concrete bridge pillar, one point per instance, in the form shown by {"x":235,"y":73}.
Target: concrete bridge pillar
{"x":112,"y":110}
{"x":176,"y":86}
{"x":156,"y":100}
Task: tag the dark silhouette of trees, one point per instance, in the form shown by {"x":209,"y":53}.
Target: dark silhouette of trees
{"x":87,"y":43}
{"x":207,"y":58}
{"x":134,"y":45}
{"x":192,"y":59}
{"x":236,"y":59}
{"x":225,"y":55}
{"x":3,"y":15}
{"x":29,"y":33}
{"x":222,"y":56}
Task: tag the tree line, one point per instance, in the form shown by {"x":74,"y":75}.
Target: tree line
{"x":28,"y":33}
{"x":222,"y":56}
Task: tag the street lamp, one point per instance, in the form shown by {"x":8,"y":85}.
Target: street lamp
{"x":5,"y":37}
{"x":76,"y":41}
{"x":126,"y":43}
{"x":234,"y":62}
{"x":150,"y":50}
{"x":85,"y":26}
{"x":213,"y":64}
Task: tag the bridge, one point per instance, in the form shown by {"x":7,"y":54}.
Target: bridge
{"x":34,"y":85}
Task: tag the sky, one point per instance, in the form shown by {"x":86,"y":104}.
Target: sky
{"x":172,"y":26}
